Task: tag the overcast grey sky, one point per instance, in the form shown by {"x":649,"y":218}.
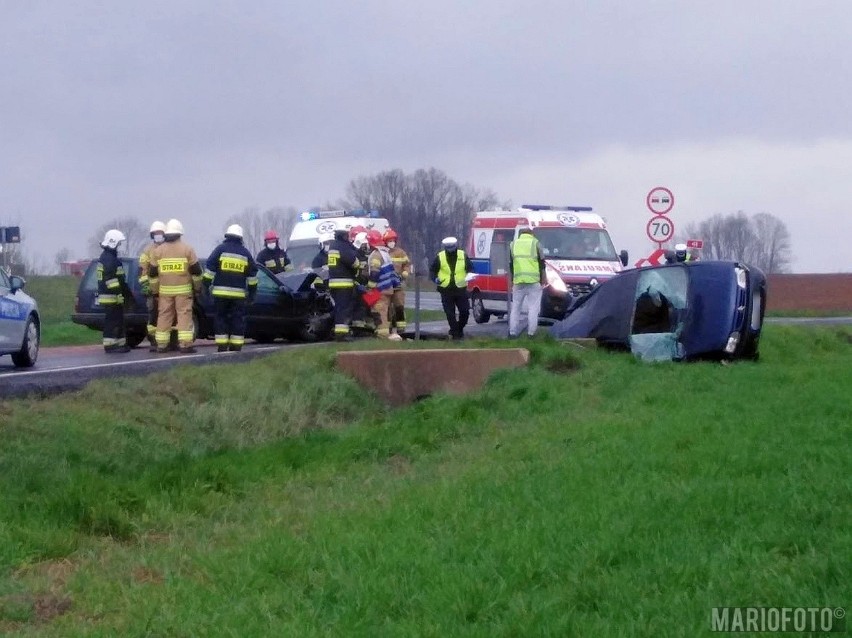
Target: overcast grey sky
{"x":201,"y":108}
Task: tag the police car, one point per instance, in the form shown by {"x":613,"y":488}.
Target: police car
{"x":20,"y":326}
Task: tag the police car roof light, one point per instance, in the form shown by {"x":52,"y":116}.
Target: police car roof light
{"x":575,"y":209}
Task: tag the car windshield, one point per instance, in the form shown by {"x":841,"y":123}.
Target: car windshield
{"x":576,"y":243}
{"x":302,"y":254}
{"x":659,"y":314}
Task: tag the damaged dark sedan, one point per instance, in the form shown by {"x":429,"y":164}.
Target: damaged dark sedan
{"x":680,"y":311}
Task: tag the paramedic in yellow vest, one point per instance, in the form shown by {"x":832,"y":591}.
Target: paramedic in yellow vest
{"x":175,"y":275}
{"x":449,"y":270}
{"x":527,"y":268}
{"x":158,"y":236}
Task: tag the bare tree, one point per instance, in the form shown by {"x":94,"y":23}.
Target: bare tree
{"x":762,"y":240}
{"x":256,"y":223}
{"x":62,"y":255}
{"x":134,"y":230}
{"x":422,"y":207}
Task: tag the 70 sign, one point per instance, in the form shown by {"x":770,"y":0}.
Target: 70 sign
{"x":660,"y":229}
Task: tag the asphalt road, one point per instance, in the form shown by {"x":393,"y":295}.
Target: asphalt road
{"x":71,"y":368}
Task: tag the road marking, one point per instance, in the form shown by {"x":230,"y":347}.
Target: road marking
{"x":112,"y":364}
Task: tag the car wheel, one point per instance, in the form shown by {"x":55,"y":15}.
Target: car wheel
{"x":317,"y":326}
{"x":480,"y":314}
{"x":133,"y":339}
{"x":27,"y":355}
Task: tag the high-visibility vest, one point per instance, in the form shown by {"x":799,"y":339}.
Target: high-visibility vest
{"x":446,"y":276}
{"x":525,"y":260}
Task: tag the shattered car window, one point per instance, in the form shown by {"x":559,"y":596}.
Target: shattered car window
{"x":659,"y":314}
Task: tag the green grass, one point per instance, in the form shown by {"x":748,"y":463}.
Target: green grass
{"x":55,"y":296}
{"x":586,"y":495}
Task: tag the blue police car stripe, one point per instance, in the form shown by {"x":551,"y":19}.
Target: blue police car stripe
{"x":11,"y":309}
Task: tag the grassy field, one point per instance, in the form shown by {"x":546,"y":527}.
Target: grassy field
{"x":588,"y":495}
{"x":55,"y":296}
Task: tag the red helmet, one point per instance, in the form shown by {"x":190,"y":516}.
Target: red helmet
{"x":270,"y":235}
{"x":355,"y":230}
{"x":390,"y":235}
{"x":374,"y":238}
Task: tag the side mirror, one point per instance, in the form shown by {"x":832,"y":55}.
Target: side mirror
{"x":624,"y":257}
{"x":17,"y":283}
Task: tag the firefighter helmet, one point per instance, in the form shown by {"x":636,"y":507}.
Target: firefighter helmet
{"x":234,"y":230}
{"x":390,"y":235}
{"x":353,"y":232}
{"x":326,"y":238}
{"x":174,"y":227}
{"x":157,"y":227}
{"x":112,"y":239}
{"x":360,"y":240}
{"x":374,"y":238}
{"x":270,"y":235}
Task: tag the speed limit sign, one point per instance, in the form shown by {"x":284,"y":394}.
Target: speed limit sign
{"x":660,"y":229}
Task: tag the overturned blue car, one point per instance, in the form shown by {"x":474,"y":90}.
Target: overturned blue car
{"x":680,"y":311}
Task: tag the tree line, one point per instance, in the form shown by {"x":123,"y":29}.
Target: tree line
{"x":427,"y":205}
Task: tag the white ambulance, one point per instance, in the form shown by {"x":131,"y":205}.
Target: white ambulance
{"x":303,"y":244}
{"x":578,"y":251}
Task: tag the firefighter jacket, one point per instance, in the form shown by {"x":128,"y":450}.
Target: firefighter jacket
{"x":231,"y":270}
{"x":382,"y":274}
{"x":449,"y":269}
{"x":275,"y":259}
{"x":174,"y":269}
{"x":112,"y":285}
{"x":401,"y":263}
{"x":343,"y":264}
{"x":144,"y":262}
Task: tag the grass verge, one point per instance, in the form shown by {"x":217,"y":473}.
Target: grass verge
{"x":588,"y":494}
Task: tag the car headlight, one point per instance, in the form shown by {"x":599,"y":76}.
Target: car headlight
{"x":554,"y":280}
{"x":741,"y":277}
{"x":733,"y":341}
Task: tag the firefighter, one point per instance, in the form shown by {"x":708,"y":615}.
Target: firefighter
{"x":158,"y":236}
{"x":232,"y":276}
{"x":320,"y":262}
{"x":272,"y":255}
{"x":402,"y":266}
{"x":362,"y":318}
{"x":382,"y":277}
{"x":342,"y":267}
{"x":175,"y":275}
{"x":113,"y":291}
{"x":449,"y":270}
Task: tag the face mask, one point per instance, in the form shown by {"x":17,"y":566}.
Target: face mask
{"x":159,"y":239}
{"x":271,"y":245}
{"x":391,"y":244}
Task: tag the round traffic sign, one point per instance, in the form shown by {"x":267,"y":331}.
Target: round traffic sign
{"x":660,"y":200}
{"x":660,"y":229}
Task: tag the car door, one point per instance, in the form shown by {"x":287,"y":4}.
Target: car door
{"x":13,"y":315}
{"x":266,"y":313}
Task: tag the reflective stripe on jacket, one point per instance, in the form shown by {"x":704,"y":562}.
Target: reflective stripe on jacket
{"x":382,"y":273}
{"x":232,"y":270}
{"x":110,"y":277}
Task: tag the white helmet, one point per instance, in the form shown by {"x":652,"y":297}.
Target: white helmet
{"x":360,"y":240}
{"x":174,"y":227}
{"x":234,"y":230}
{"x":157,"y":227}
{"x":112,"y":239}
{"x":325,"y":238}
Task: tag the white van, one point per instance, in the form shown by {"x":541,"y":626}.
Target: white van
{"x":303,"y":244}
{"x":578,"y":250}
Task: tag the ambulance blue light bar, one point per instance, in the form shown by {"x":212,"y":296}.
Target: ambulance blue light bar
{"x":575,"y":209}
{"x":308,"y":215}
